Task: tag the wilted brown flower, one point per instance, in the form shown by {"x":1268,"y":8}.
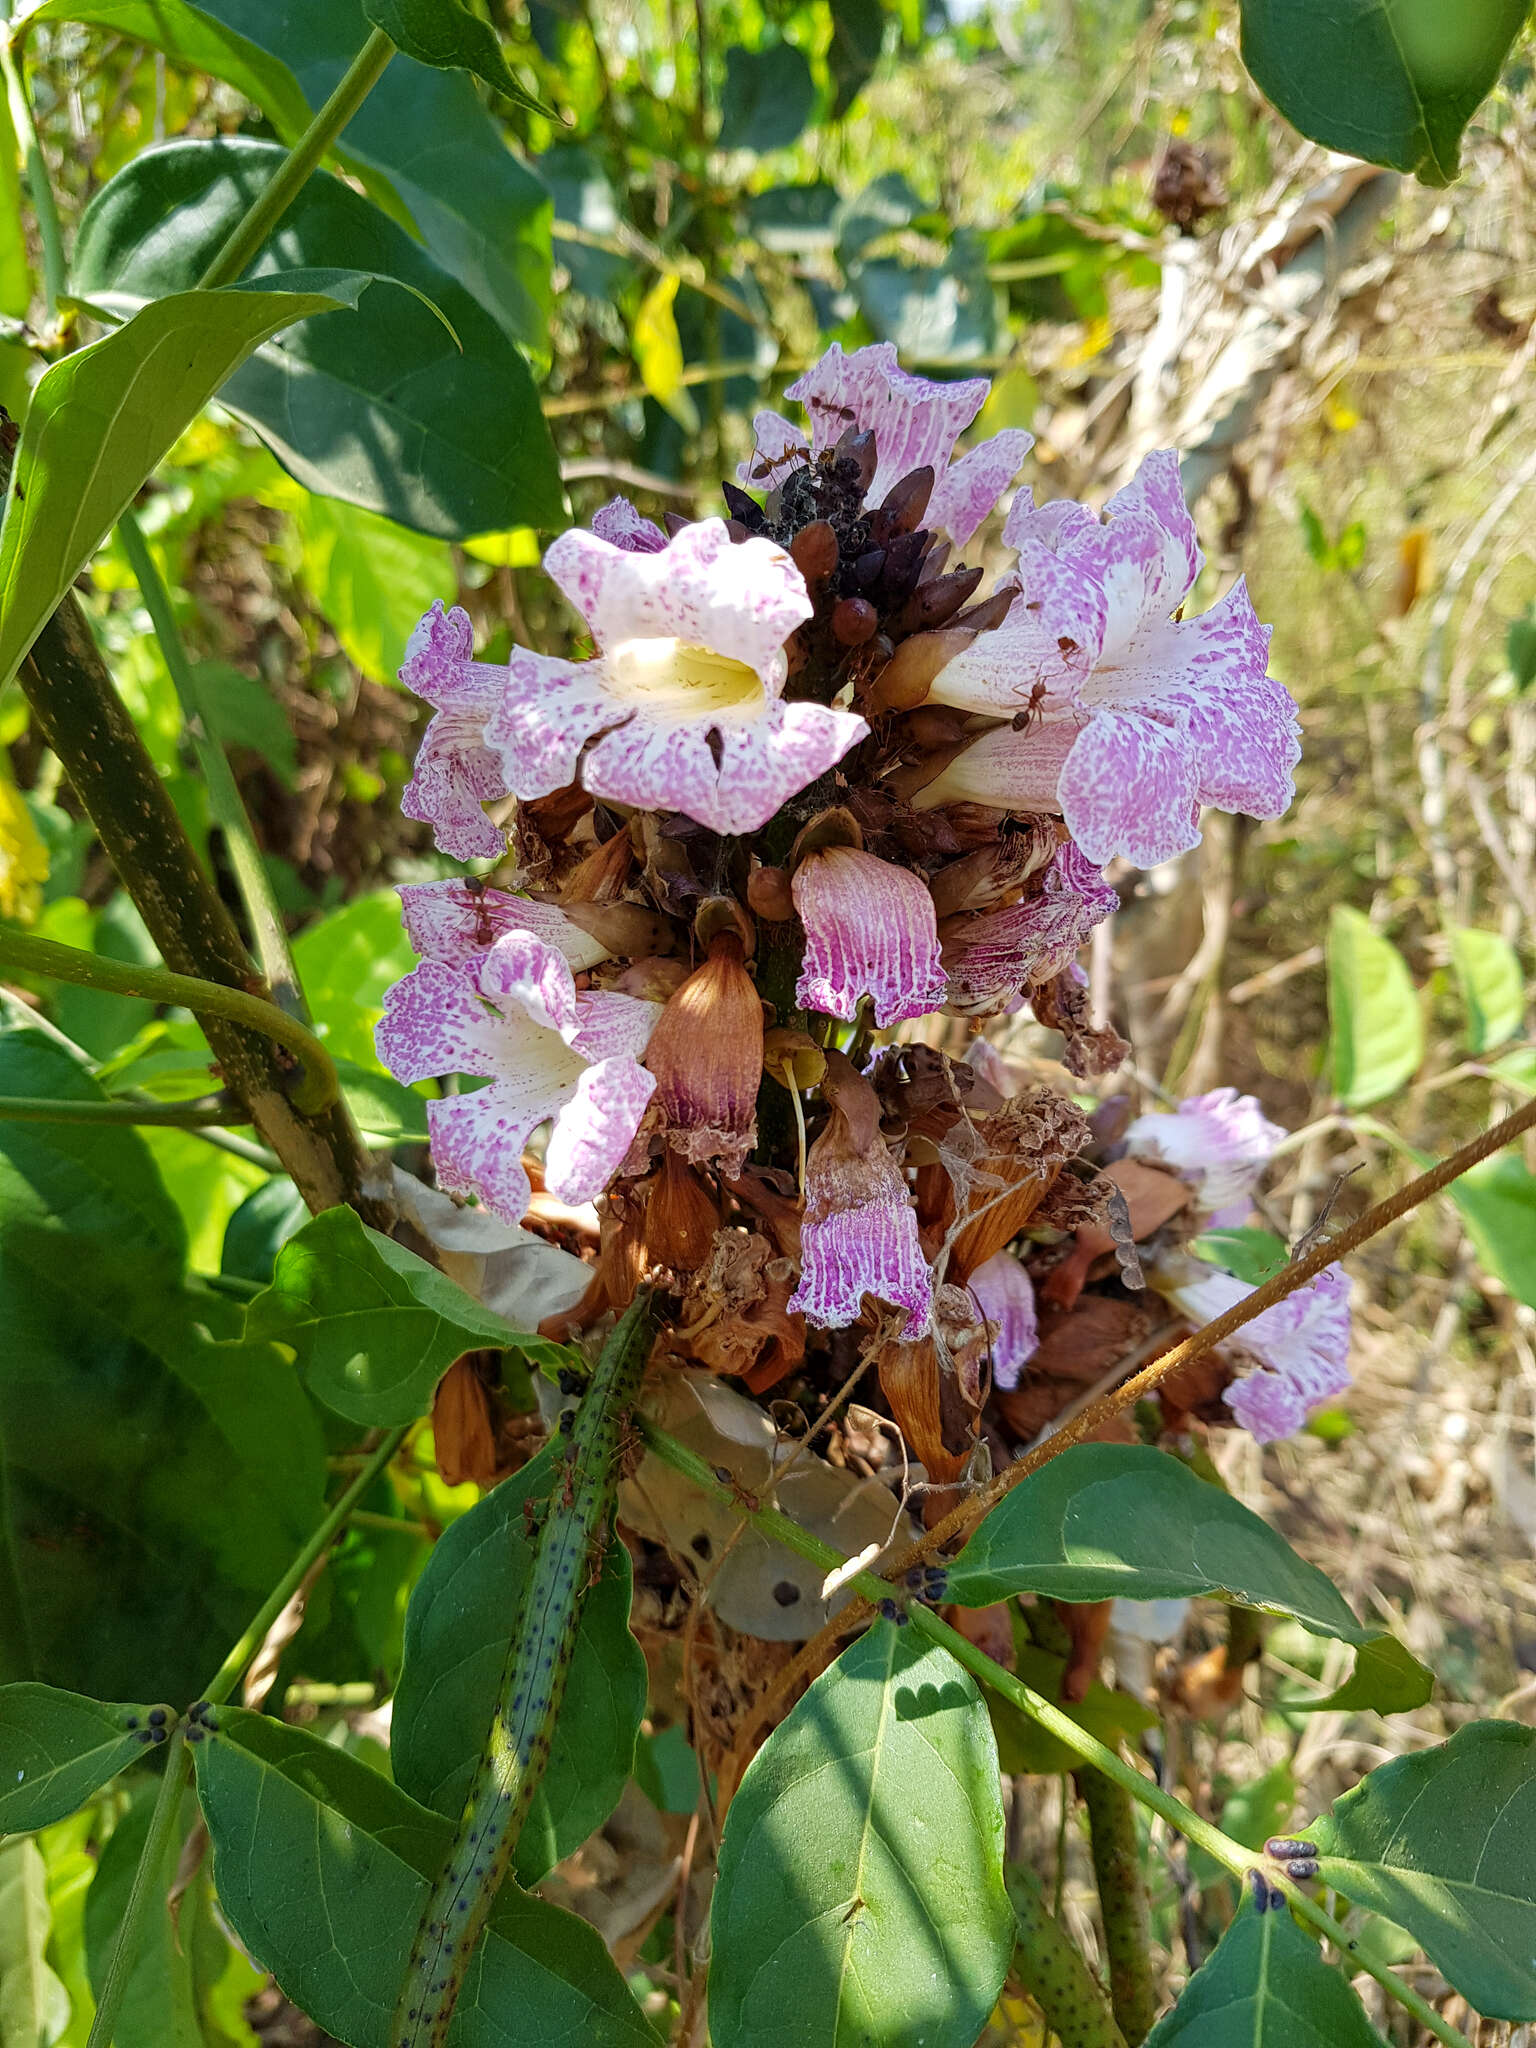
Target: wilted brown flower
{"x":463,"y":1433}
{"x":707,"y":1056}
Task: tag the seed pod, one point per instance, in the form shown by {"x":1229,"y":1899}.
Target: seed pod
{"x":908,"y":675}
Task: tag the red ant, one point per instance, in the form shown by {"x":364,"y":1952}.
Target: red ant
{"x":485,"y":931}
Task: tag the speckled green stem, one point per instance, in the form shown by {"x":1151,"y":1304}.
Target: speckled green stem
{"x":1055,"y":1975}
{"x":1122,"y":1902}
{"x":575,"y":1525}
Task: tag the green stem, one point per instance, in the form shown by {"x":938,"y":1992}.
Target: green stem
{"x":1229,"y":1854}
{"x":1122,"y":1903}
{"x":168,"y":1801}
{"x":268,"y":933}
{"x":146,"y":1878}
{"x":1053,"y":1972}
{"x":187,"y":1116}
{"x":229,"y":1673}
{"x":260,"y":220}
{"x":39,"y":186}
{"x":318,"y":1086}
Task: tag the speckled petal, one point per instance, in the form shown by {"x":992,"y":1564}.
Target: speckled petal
{"x":1157,"y":492}
{"x":453,"y":922}
{"x":914,"y":420}
{"x":1005,"y":1296}
{"x":1302,"y":1344}
{"x":869,"y":931}
{"x":456,"y":770}
{"x":1221,"y":1141}
{"x":619,"y":523}
{"x":441,"y":646}
{"x":596,"y":1128}
{"x":477,"y":1148}
{"x":764,"y":760}
{"x":994,"y":956}
{"x":1011,"y":771}
{"x":548,"y":712}
{"x":1241,"y":724}
{"x":521,"y":973}
{"x":742,"y":600}
{"x":1129,"y":787}
{"x":1052,"y":635}
{"x":434,"y":1023}
{"x":872,"y":1249}
{"x":970,"y":488}
{"x":611,"y":1026}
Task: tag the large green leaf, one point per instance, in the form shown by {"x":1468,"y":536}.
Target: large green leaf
{"x":1492,"y":986}
{"x":1497,"y":1199}
{"x":1266,"y":1986}
{"x":299,"y":1827}
{"x":444,"y":34}
{"x":92,"y":1180}
{"x":1394,"y":81}
{"x":458,"y":1628}
{"x":1106,"y":1521}
{"x":1440,"y":1842}
{"x":1376,"y":1033}
{"x":34,"y":2006}
{"x":858,"y":30}
{"x":372,"y":1326}
{"x":99,"y":422}
{"x":439,"y":431}
{"x":860,"y":1895}
{"x":768,"y":98}
{"x":346,"y":960}
{"x":427,"y":146}
{"x":154,"y":1484}
{"x":56,"y":1749}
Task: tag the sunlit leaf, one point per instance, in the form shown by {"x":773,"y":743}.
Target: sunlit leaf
{"x":370,"y":577}
{"x":1266,"y":1986}
{"x":659,"y":353}
{"x":1492,"y":986}
{"x":1439,"y":1841}
{"x":34,"y":2006}
{"x":346,"y":960}
{"x":1375,"y":1029}
{"x":57,"y":1748}
{"x":1393,"y":81}
{"x":1253,"y":1255}
{"x":444,"y":34}
{"x":1497,"y":1200}
{"x":860,"y":1894}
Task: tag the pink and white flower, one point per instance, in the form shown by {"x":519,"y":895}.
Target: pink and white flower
{"x":859,"y":1236}
{"x":682,"y":708}
{"x":1297,"y":1351}
{"x":994,"y":955}
{"x":619,"y":523}
{"x":1006,"y":1297}
{"x":916,"y":423}
{"x":1144,"y":719}
{"x":457,"y":922}
{"x":1222,"y":1142}
{"x":551,"y":1053}
{"x":456,"y":772}
{"x":870,"y":931}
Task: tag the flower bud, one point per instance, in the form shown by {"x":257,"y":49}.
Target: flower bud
{"x":601,"y":875}
{"x":768,"y":895}
{"x":908,"y":675}
{"x":814,"y":551}
{"x":707,"y":1055}
{"x":681,"y":1218}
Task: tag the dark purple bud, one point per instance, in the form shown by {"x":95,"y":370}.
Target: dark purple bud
{"x":674,"y":522}
{"x":737,"y":531}
{"x":1284,"y":1847}
{"x":1302,"y":1868}
{"x":903,"y":560}
{"x":746,"y":509}
{"x":935,"y":603}
{"x":1263,"y":1892}
{"x":903,"y":507}
{"x":854,"y":621}
{"x":867,"y":569}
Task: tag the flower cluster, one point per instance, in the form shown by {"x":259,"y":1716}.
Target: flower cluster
{"x":812,"y":784}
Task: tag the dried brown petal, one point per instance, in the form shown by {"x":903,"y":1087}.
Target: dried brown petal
{"x":463,"y":1435}
{"x":707,"y":1055}
{"x":681,"y":1217}
{"x":908,"y":676}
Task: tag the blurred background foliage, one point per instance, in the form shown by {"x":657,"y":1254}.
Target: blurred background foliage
{"x":1086,"y":200}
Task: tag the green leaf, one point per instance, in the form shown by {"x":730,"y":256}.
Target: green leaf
{"x":1393,"y":81}
{"x":89,"y":1180}
{"x":1520,"y":652}
{"x":373,"y":1327}
{"x":1387,"y":1679}
{"x":56,"y":1749}
{"x":198,"y":40}
{"x":1376,"y":1034}
{"x":447,"y":36}
{"x":1265,"y":1986}
{"x":1492,"y":986}
{"x":99,"y":422}
{"x":383,"y":1107}
{"x":159,"y":2008}
{"x":34,"y":2006}
{"x":346,"y":960}
{"x":154,"y":1484}
{"x":458,"y":1629}
{"x":371,"y":578}
{"x":860,"y":1894}
{"x":768,"y":98}
{"x":1497,"y":1199}
{"x":207,"y":1186}
{"x":264,"y":1222}
{"x":1106,"y":1521}
{"x":443,"y":436}
{"x":244,"y":713}
{"x":1440,"y":1842}
{"x":15,"y":267}
{"x":858,"y":30}
{"x":1253,"y":1255}
{"x":295,"y":1822}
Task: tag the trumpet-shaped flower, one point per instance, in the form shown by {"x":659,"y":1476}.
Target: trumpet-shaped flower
{"x":457,"y":922}
{"x":551,"y":1054}
{"x":456,"y":772}
{"x":1006,"y":1297}
{"x":1138,"y":719}
{"x":681,"y":709}
{"x":619,"y":523}
{"x":1298,"y":1350}
{"x":916,"y":424}
{"x":1222,"y":1142}
{"x":990,"y":958}
{"x":869,"y":931}
{"x":859,"y":1235}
